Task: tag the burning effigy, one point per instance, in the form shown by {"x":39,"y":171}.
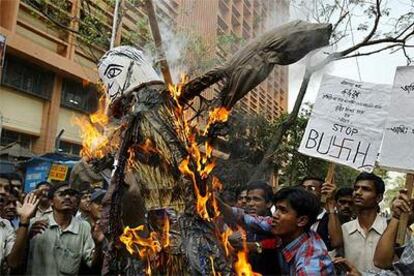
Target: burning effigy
{"x":160,"y":211}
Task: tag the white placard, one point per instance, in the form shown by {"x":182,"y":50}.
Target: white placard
{"x":397,"y":150}
{"x":347,"y":122}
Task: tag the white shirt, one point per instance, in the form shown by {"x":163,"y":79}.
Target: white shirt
{"x":7,"y":238}
{"x":359,"y":247}
{"x":315,"y":226}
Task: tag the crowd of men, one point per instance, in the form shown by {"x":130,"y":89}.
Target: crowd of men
{"x":54,"y":230}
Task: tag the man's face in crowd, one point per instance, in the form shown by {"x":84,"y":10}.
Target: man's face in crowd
{"x":344,"y":205}
{"x":314,"y":186}
{"x":85,"y":202}
{"x":9,"y":210}
{"x":365,"y":195}
{"x":43,"y":192}
{"x":4,"y":186}
{"x":242,"y":200}
{"x":95,"y":210}
{"x":65,"y":199}
{"x":285,"y":221}
{"x":256,"y":203}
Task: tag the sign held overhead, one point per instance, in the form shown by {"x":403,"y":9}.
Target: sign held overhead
{"x":397,"y":151}
{"x":347,"y":122}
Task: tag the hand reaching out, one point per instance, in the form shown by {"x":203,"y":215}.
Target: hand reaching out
{"x":28,"y":209}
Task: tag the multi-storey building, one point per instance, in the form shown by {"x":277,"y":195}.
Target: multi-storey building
{"x":220,"y":20}
{"x":50,"y":64}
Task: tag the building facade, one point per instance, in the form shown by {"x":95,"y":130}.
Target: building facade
{"x":223,"y":22}
{"x":49,"y":70}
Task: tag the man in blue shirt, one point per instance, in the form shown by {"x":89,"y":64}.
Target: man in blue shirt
{"x":302,"y":252}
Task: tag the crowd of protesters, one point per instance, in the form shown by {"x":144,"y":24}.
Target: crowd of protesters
{"x":55,"y":230}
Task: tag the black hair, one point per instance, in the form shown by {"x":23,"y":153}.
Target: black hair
{"x":303,"y":202}
{"x":262,"y":185}
{"x":319,"y":179}
{"x":228,"y":197}
{"x":344,"y":191}
{"x":378,"y":182}
{"x":239,"y":191}
{"x":55,"y":187}
{"x":43,"y":183}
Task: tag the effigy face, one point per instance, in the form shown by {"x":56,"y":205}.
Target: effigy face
{"x":123,"y":68}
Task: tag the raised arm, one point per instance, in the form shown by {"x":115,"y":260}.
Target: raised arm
{"x":25,"y":212}
{"x":384,"y":253}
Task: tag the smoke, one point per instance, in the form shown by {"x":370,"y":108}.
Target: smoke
{"x":174,"y":45}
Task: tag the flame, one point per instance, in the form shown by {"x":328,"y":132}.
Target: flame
{"x":145,"y":247}
{"x":225,"y":240}
{"x":218,"y":115}
{"x":213,"y":270}
{"x":217,"y":185}
{"x":242,"y":266}
{"x":166,"y":233}
{"x":201,"y":201}
{"x":203,"y":161}
{"x":94,"y":142}
{"x":100,"y":117}
{"x":148,"y":147}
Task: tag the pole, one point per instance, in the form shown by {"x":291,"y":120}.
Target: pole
{"x":329,"y":178}
{"x":165,"y":69}
{"x":114,"y":24}
{"x":402,"y":225}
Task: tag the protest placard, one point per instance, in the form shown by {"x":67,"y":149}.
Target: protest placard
{"x":347,"y":122}
{"x":397,"y":152}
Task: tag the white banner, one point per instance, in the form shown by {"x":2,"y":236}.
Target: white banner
{"x":347,"y":122}
{"x":397,"y":151}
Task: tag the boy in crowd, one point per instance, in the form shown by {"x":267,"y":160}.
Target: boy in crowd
{"x":361,"y":235}
{"x":84,"y":204}
{"x":241,"y":199}
{"x":256,"y":219}
{"x":303,"y":251}
{"x":327,"y":223}
{"x":95,"y":207}
{"x":386,"y":249}
{"x":343,"y":198}
{"x":42,"y":191}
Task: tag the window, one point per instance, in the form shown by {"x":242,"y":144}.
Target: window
{"x":70,"y":148}
{"x":78,"y":96}
{"x":24,"y":140}
{"x":27,"y":77}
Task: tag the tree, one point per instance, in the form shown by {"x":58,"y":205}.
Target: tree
{"x":376,"y":39}
{"x":247,"y":140}
{"x":397,"y":184}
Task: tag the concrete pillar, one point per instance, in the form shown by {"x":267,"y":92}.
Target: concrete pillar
{"x":8,"y":14}
{"x":50,"y":116}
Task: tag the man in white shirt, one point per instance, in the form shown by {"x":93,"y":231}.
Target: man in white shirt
{"x":360,"y":236}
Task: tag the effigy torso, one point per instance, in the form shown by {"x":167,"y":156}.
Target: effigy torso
{"x":158,"y":146}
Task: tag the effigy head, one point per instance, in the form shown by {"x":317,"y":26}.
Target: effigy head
{"x":124,"y":68}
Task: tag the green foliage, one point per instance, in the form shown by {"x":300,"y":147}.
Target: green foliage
{"x":249,"y":137}
{"x":392,"y":190}
{"x":230,"y":42}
